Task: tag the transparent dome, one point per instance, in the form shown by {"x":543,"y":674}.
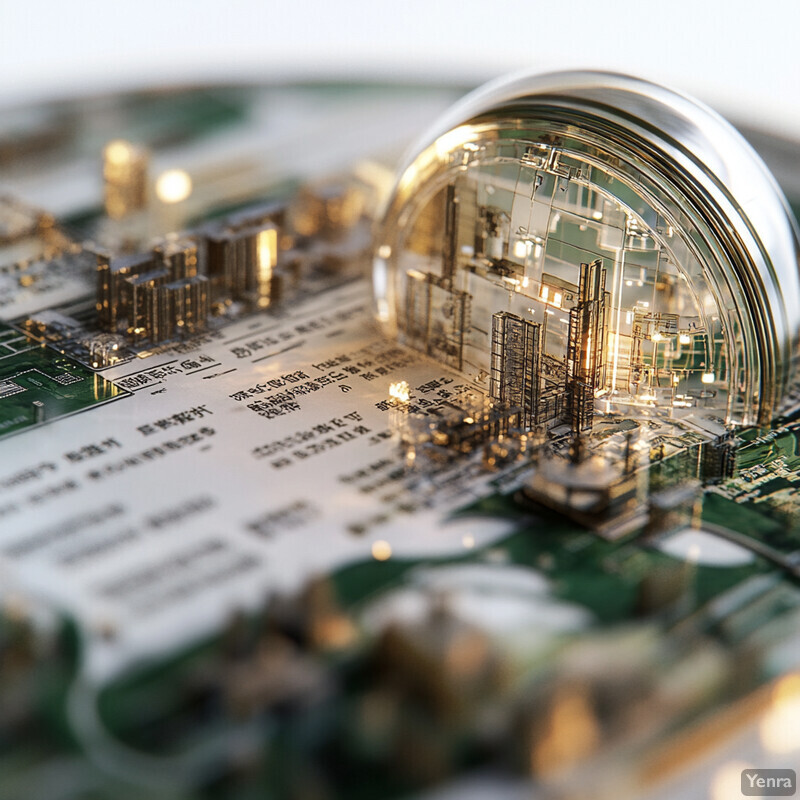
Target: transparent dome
{"x":580,"y":244}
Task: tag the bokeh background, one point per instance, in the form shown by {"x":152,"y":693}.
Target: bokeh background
{"x":741,"y":56}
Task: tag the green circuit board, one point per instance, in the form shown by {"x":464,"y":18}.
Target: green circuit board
{"x":38,"y":384}
{"x":296,"y":560}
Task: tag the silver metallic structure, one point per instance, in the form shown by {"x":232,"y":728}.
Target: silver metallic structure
{"x":528,"y":180}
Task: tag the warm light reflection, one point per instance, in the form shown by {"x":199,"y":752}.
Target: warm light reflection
{"x":780,"y":728}
{"x":400,"y":391}
{"x":173,"y":186}
{"x":455,"y":138}
{"x":119,"y":153}
{"x":267,"y":249}
{"x":727,"y":781}
{"x":381,"y":550}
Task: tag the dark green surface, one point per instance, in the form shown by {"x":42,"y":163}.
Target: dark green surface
{"x":152,"y":708}
{"x":36,"y":371}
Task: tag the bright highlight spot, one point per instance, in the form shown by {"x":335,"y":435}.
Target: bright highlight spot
{"x":173,"y":186}
{"x":458,"y":137}
{"x":119,"y":152}
{"x":381,"y":550}
{"x":780,"y":728}
{"x":727,"y":781}
{"x":400,"y":391}
{"x":383,"y":310}
{"x":267,"y":247}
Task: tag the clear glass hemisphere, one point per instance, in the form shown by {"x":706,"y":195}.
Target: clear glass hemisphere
{"x":585,"y":240}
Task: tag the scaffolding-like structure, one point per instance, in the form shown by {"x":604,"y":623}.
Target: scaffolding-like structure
{"x":588,"y":326}
{"x":515,"y":364}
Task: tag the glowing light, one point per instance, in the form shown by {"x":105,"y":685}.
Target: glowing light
{"x":656,"y":337}
{"x":400,"y":391}
{"x":676,"y":378}
{"x":520,"y":249}
{"x":381,"y":550}
{"x":385,"y":251}
{"x":708,"y":377}
{"x":267,"y":249}
{"x":457,"y":137}
{"x":469,"y":421}
{"x":468,"y":542}
{"x":597,"y":215}
{"x":524,"y":283}
{"x":173,"y":186}
{"x":727,"y":781}
{"x":119,"y":152}
{"x":780,"y":728}
{"x":125,"y":178}
{"x":684,"y":338}
{"x":409,"y":177}
{"x":554,"y":300}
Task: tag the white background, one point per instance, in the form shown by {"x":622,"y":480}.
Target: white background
{"x":743,"y":57}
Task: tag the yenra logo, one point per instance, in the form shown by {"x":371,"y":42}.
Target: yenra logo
{"x":769,"y":782}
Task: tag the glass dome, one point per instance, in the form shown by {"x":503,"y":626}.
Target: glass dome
{"x":580,"y":244}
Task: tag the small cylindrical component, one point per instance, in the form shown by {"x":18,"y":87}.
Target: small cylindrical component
{"x":124,"y":178}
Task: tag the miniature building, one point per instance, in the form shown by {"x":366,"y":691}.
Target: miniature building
{"x":515,"y":364}
{"x":162,"y":294}
{"x":155,"y":296}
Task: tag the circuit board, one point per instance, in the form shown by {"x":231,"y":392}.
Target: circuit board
{"x":252,"y":546}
